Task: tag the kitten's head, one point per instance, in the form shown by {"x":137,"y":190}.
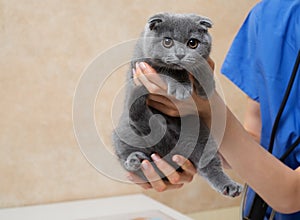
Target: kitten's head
{"x":177,"y":40}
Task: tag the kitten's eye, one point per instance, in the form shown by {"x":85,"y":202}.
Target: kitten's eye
{"x":193,"y":43}
{"x":168,"y":42}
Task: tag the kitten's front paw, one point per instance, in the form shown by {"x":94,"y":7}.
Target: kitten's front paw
{"x":232,"y":190}
{"x":133,"y":162}
{"x":180,"y":91}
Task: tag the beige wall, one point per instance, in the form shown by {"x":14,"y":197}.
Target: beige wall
{"x":44,"y":47}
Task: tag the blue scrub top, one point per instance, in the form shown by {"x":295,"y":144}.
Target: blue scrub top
{"x":260,"y":62}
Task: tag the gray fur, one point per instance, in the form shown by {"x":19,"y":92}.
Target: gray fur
{"x":143,"y":130}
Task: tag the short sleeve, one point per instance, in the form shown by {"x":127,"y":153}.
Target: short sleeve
{"x":240,"y":65}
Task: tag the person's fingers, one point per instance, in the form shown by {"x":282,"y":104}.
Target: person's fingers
{"x":143,"y":78}
{"x":172,"y":175}
{"x":163,"y":108}
{"x":152,"y":75}
{"x":169,"y":102}
{"x":211,"y":63}
{"x":175,"y":179}
{"x":137,"y":180}
{"x":147,"y":185}
{"x":165,"y":99}
{"x":135,"y":78}
{"x":167,"y":105}
{"x":154,"y":179}
{"x":185,"y":164}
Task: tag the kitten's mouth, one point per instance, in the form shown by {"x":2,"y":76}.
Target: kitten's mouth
{"x":175,"y":66}
{"x":170,"y":65}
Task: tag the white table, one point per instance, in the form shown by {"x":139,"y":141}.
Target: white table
{"x":132,"y":207}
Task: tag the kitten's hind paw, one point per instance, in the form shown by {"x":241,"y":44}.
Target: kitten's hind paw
{"x":134,"y":160}
{"x":232,"y":190}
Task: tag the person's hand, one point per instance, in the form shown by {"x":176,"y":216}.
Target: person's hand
{"x":160,"y":100}
{"x":175,"y":179}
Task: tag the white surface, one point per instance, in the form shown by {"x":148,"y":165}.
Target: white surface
{"x":86,"y":209}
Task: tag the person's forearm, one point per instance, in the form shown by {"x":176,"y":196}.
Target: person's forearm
{"x":252,"y":119}
{"x":277,"y":184}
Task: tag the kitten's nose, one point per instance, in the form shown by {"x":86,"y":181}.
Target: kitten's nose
{"x":180,"y":53}
{"x":180,"y":56}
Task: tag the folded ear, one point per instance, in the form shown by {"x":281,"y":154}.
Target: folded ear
{"x":155,"y":20}
{"x":205,"y":23}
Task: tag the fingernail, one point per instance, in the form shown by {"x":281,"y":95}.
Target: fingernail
{"x":142,"y":65}
{"x":133,"y":71}
{"x":137,"y":65}
{"x":176,"y":159}
{"x":145,"y":165}
{"x":155,"y":157}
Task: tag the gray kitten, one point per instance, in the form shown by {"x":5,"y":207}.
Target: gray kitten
{"x":174,"y":45}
